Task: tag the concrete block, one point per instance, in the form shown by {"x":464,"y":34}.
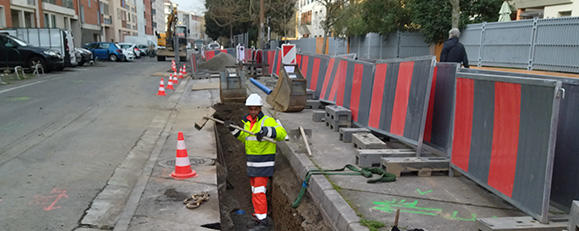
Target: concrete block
{"x":574,"y":216}
{"x":310,"y":94}
{"x":314,"y":104}
{"x":424,"y":166}
{"x":336,"y":125}
{"x":367,"y":141}
{"x":318,"y":115}
{"x":346,"y":133}
{"x":517,"y":224}
{"x":338,"y":113}
{"x":366,"y":158}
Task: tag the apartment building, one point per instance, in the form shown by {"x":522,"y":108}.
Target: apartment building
{"x":527,"y":9}
{"x":90,"y":20}
{"x":148,"y":17}
{"x":198,"y":27}
{"x":124,"y":19}
{"x":310,"y":13}
{"x":158,"y":15}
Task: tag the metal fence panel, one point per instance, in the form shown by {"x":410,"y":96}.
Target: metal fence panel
{"x":504,"y":136}
{"x":541,"y":44}
{"x":412,"y":44}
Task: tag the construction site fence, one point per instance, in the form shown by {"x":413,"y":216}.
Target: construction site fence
{"x":370,"y":46}
{"x":534,"y":44}
{"x":499,"y":129}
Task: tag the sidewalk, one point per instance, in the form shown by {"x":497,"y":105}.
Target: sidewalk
{"x":430,"y":203}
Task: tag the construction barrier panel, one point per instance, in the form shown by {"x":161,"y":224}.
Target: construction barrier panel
{"x":400,"y":95}
{"x":209,"y":55}
{"x":313,"y":67}
{"x":193,"y":63}
{"x":269,"y":57}
{"x":352,"y":91}
{"x":504,"y":131}
{"x":438,"y":131}
{"x":565,"y":171}
{"x":277,"y":62}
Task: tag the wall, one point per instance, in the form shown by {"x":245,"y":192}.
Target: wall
{"x":553,"y":11}
{"x":6,"y":6}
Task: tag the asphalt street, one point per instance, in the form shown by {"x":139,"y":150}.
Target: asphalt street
{"x":62,"y":136}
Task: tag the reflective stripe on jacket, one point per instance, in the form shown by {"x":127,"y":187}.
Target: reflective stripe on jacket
{"x":260,"y":155}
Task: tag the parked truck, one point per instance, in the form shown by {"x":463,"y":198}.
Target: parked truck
{"x":58,"y":40}
{"x":165,"y":40}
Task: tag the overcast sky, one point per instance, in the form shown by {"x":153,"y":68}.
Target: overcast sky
{"x":195,"y":6}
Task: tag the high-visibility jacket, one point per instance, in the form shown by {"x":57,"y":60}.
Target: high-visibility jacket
{"x":260,"y":154}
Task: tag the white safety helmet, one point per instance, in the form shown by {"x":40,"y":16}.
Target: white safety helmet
{"x":253,"y":100}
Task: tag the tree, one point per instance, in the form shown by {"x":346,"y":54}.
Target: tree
{"x":333,"y":14}
{"x":434,"y":20}
{"x":226,"y":14}
{"x":280,"y":13}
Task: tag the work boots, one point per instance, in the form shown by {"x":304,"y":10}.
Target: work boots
{"x":258,"y":225}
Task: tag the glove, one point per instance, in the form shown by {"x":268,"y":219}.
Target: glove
{"x":261,"y":134}
{"x":228,"y":124}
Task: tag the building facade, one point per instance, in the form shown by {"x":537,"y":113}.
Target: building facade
{"x":124,"y":19}
{"x":158,"y":15}
{"x":528,"y":9}
{"x":309,"y":15}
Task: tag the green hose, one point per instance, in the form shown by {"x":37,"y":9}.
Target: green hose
{"x":365,"y":172}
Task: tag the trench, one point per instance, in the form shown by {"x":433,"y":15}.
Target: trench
{"x":235,"y":191}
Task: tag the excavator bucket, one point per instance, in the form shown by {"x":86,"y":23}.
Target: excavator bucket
{"x":232,"y":85}
{"x":289,"y":94}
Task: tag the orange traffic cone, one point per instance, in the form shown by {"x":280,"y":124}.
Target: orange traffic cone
{"x":161,"y":87}
{"x":182,"y":164}
{"x":175,"y":80}
{"x":184,"y":70}
{"x":170,"y":84}
{"x":181,"y":73}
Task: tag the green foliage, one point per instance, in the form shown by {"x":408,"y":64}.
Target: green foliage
{"x":385,"y":16}
{"x":372,"y":225}
{"x":434,"y":18}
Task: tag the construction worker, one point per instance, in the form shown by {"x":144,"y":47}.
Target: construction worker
{"x":260,"y":153}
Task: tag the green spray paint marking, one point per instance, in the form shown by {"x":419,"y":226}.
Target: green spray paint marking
{"x":454,"y":217}
{"x":390,"y":206}
{"x":18,"y":98}
{"x":422,"y":193}
{"x":410,"y":207}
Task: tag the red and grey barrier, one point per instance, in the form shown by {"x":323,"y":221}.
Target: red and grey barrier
{"x":564,"y":188}
{"x":503,"y":137}
{"x":276,"y":62}
{"x":400,"y":95}
{"x":438,"y":131}
{"x":209,"y":55}
{"x":194,"y":63}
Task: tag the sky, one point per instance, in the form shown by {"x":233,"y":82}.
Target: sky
{"x":195,"y":6}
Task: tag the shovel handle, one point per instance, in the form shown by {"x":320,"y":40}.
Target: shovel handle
{"x":238,"y":128}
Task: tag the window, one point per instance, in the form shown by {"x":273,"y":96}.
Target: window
{"x":89,"y":3}
{"x":565,"y":13}
{"x":104,"y":46}
{"x":2,"y":17}
{"x":68,"y":3}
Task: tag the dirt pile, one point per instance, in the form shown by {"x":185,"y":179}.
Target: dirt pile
{"x":218,"y":63}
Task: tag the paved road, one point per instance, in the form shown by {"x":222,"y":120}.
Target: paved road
{"x":62,"y":136}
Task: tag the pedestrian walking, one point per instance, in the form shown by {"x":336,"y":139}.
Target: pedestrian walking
{"x":453,"y":50}
{"x":260,"y":154}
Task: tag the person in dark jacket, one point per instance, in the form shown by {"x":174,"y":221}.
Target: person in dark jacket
{"x":453,"y":50}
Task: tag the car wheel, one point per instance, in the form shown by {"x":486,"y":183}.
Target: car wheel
{"x":37,"y":60}
{"x":113,"y":58}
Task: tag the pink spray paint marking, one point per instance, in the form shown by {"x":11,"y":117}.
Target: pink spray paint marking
{"x":49,"y":202}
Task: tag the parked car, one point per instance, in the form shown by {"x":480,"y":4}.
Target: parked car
{"x":144,"y":50}
{"x":55,"y":39}
{"x":106,"y":51}
{"x":129,"y":55}
{"x":85,"y":56}
{"x":213,"y":46}
{"x":131,"y":47}
{"x":15,"y":52}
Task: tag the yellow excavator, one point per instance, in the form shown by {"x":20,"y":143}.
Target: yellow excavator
{"x":165,"y":40}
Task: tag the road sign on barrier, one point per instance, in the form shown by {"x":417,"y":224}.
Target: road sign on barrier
{"x":289,"y":52}
{"x":240,"y":53}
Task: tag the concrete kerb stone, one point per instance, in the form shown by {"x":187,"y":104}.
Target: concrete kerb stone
{"x":346,"y":133}
{"x":333,"y":206}
{"x":318,"y":115}
{"x":367,"y":141}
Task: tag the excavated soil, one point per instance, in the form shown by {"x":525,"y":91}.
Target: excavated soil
{"x":235,"y":192}
{"x":218,"y":62}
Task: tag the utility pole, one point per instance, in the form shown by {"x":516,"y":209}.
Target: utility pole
{"x":261,"y":27}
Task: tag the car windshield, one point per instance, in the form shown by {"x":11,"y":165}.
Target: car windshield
{"x":17,"y":40}
{"x":117,"y":46}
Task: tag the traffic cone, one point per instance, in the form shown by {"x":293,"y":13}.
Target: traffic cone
{"x":184,"y":70}
{"x":170,"y":84}
{"x":182,"y":164}
{"x":161,"y":87}
{"x":173,"y":66}
{"x":181,"y":73}
{"x":175,"y":80}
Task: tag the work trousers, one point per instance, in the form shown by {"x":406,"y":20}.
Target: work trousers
{"x":258,"y":198}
